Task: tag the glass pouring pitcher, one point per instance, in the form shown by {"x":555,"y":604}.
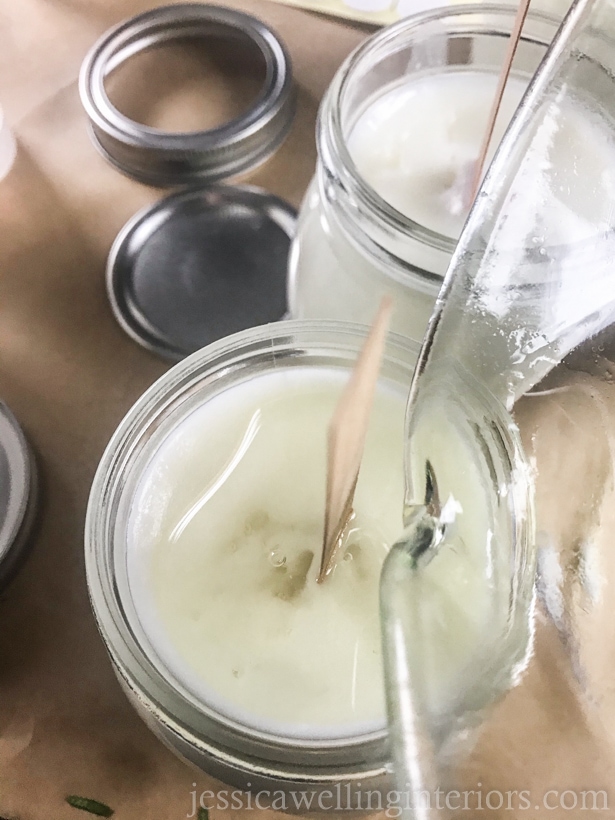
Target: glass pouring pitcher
{"x":522,"y":326}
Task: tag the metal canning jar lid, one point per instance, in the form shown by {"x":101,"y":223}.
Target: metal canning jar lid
{"x":17,"y":494}
{"x":163,"y":158}
{"x":200,"y":264}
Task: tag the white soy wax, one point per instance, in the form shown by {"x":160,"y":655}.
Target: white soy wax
{"x":223,"y":546}
{"x":416,"y":143}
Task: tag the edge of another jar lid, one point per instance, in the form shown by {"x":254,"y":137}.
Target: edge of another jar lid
{"x":163,"y":158}
{"x":15,"y":549}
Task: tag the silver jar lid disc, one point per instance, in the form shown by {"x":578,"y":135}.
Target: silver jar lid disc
{"x":164,"y":158}
{"x":199,"y":265}
{"x":17,"y":491}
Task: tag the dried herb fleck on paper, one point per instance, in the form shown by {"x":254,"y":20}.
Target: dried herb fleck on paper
{"x":91,"y":806}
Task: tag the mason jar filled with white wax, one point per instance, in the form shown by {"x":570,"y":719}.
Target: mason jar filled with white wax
{"x":203,"y":541}
{"x":398,"y":135}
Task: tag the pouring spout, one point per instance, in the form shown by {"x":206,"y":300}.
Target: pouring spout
{"x":415,"y":747}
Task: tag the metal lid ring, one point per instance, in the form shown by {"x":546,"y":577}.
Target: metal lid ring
{"x":161,"y":158}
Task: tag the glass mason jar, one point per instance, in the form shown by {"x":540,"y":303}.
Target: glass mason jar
{"x":351,"y":246}
{"x":196,"y":727}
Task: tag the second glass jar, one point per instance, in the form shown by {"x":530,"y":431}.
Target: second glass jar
{"x":352,"y":246}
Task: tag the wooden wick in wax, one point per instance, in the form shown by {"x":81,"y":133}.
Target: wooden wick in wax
{"x":499,"y":94}
{"x":346,"y":437}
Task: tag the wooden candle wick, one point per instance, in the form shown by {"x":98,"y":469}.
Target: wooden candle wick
{"x":346,"y":437}
{"x":499,"y":94}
